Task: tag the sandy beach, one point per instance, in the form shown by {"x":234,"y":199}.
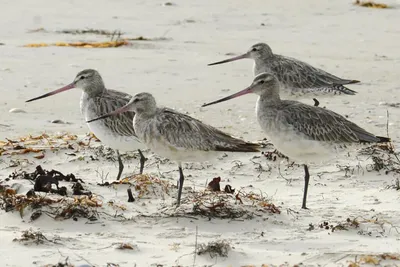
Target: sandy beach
{"x":353,"y":216}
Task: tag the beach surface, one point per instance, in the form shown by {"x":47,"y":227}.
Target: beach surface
{"x":353,"y":204}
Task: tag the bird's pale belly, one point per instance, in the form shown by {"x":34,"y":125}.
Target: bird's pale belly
{"x":302,"y":150}
{"x":166,"y":150}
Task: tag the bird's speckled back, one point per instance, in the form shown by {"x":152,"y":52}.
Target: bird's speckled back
{"x":181,"y":131}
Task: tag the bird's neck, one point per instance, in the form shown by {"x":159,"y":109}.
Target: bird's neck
{"x":146,"y":114}
{"x":142,"y":122}
{"x":270,"y":97}
{"x":261,"y":60}
{"x":95,"y":91}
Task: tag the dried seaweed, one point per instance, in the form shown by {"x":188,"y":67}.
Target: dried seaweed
{"x":144,"y":185}
{"x":225,"y":205}
{"x":81,"y":207}
{"x":366,"y":227}
{"x":214,"y":185}
{"x":395,"y":185}
{"x":107,"y":44}
{"x":90,"y":31}
{"x":375,"y":259}
{"x":384,"y":157}
{"x":42,"y":143}
{"x":214,"y":249}
{"x":127,"y":246}
{"x":83,"y":203}
{"x":45,"y":179}
{"x":273,"y":155}
{"x":30,"y":236}
{"x":63,"y":264}
{"x":57,"y":208}
{"x":113,"y":34}
{"x":370,"y":4}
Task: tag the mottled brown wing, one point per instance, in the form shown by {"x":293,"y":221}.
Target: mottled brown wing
{"x":299,"y":74}
{"x":321,"y":124}
{"x":183,"y":131}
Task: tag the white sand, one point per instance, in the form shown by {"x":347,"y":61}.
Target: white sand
{"x":349,"y":41}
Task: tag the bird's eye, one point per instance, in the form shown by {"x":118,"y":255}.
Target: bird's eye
{"x":254,"y":49}
{"x":82,"y":77}
{"x":136,"y":100}
{"x":261,"y":82}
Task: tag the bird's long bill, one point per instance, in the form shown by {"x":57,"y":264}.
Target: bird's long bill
{"x":112,"y":113}
{"x":230,"y":59}
{"x":65,"y":88}
{"x":246,"y":91}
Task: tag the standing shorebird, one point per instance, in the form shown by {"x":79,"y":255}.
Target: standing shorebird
{"x":301,"y":132}
{"x":177,"y":136}
{"x":116,"y":132}
{"x":297,"y":78}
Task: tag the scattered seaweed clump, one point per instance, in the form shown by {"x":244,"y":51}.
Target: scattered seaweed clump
{"x":379,"y":260}
{"x":395,"y":185}
{"x":64,"y":264}
{"x":127,"y":246}
{"x":212,"y":203}
{"x":370,"y":4}
{"x":146,"y":186}
{"x":90,"y":31}
{"x":344,"y":226}
{"x":384,"y":157}
{"x":274,"y":155}
{"x":41,"y":143}
{"x":43,"y":181}
{"x":375,"y":226}
{"x":214,"y":249}
{"x":56,"y":208}
{"x":29,"y":237}
{"x":44,"y":199}
{"x":116,"y":39}
{"x":107,"y":44}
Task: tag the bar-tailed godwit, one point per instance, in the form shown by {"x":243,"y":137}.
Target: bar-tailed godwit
{"x":116,"y":132}
{"x":304,"y":133}
{"x":297,"y":78}
{"x":177,"y":136}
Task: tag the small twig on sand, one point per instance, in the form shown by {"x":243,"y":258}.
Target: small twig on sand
{"x":195,"y":246}
{"x":82,"y":258}
{"x":288,"y":181}
{"x":387,"y":123}
{"x":387,"y":133}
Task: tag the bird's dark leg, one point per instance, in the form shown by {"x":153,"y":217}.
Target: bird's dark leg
{"x":121,"y":165}
{"x":143,"y":159}
{"x":316,"y":102}
{"x":306,"y":180}
{"x":180,"y":186}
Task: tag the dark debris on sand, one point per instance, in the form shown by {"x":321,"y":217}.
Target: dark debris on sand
{"x":30,"y":236}
{"x":214,"y":249}
{"x":384,"y":158}
{"x":83,"y":204}
{"x":90,"y":31}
